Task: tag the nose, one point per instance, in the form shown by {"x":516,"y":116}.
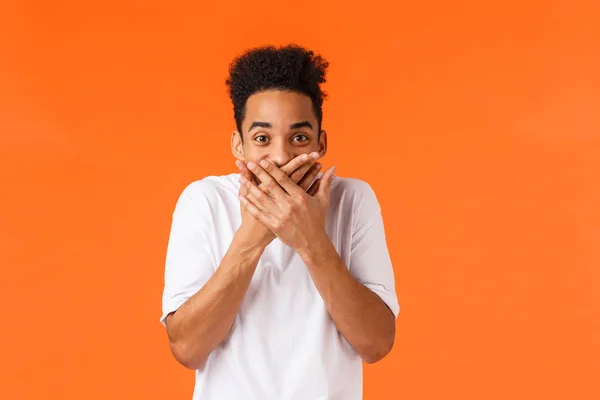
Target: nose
{"x":280,"y":154}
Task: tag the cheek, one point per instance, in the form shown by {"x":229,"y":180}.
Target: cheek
{"x":255,"y":154}
{"x":312,"y":147}
{"x":251,"y":153}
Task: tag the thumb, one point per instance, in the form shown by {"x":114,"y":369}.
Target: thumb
{"x":323,"y":192}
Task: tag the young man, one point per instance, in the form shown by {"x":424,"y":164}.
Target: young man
{"x":278,"y":281}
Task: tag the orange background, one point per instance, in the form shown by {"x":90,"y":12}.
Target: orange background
{"x":477,"y":125}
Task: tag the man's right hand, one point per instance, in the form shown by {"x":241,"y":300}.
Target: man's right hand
{"x":302,"y":170}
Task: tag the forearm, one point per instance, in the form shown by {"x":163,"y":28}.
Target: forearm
{"x":204,"y":320}
{"x":358,"y":313}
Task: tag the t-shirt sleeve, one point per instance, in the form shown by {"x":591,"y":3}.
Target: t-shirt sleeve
{"x":189,"y":259}
{"x":370,"y":262}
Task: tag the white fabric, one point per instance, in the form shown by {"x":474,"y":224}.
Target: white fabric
{"x":283,"y":344}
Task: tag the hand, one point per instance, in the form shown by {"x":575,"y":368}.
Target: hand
{"x":295,"y":216}
{"x":302,"y":170}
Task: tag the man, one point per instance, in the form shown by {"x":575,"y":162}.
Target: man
{"x":278,"y":281}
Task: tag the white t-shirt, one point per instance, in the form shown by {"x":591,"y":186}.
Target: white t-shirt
{"x":283,"y":344}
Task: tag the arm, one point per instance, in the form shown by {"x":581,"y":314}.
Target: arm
{"x":358,"y":313}
{"x":354,"y":296}
{"x":201,"y":303}
{"x":204,"y":320}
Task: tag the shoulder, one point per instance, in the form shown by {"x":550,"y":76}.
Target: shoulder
{"x":209,"y":190}
{"x":351,"y":185}
{"x":210,"y":186}
{"x":354,"y":192}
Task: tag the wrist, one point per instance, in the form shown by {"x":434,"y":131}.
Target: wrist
{"x":316,"y":249}
{"x":248,"y":239}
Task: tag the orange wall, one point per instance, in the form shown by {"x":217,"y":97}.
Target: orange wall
{"x":477,"y":125}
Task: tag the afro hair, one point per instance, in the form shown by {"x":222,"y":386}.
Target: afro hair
{"x":289,"y":68}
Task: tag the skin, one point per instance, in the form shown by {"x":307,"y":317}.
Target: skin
{"x":280,"y":130}
{"x":278,"y":126}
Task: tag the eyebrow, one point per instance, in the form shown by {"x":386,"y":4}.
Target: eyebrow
{"x":296,"y":125}
{"x":259,"y":124}
{"x":303,"y":124}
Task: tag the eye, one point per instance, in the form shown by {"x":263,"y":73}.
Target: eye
{"x":300,"y":138}
{"x":261,"y":139}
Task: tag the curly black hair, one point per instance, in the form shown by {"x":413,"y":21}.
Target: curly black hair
{"x":290,"y":68}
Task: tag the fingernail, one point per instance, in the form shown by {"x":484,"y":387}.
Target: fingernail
{"x":315,"y":155}
{"x":264,"y":163}
{"x":238,"y":164}
{"x":318,"y":165}
{"x":252,"y":165}
{"x":304,"y":157}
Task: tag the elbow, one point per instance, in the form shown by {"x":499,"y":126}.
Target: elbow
{"x":188,"y":357}
{"x":187,"y":353}
{"x":377,"y":352}
{"x":378,"y":349}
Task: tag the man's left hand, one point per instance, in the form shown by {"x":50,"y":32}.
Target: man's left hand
{"x":295,"y":216}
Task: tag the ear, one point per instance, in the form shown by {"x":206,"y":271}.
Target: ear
{"x":323,"y":143}
{"x":237,"y":146}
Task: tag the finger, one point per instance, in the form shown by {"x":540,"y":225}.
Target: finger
{"x":325,"y":185}
{"x":314,"y":188}
{"x":303,"y":169}
{"x":245,"y":172}
{"x":255,"y":202}
{"x":250,"y":177}
{"x":259,"y":198}
{"x":310,"y":176}
{"x":268,"y":183}
{"x":299,"y":173}
{"x":302,"y":162}
{"x":281,"y":179}
{"x":263,"y":217}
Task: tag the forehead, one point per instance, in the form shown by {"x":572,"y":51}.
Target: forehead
{"x":279,"y":107}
